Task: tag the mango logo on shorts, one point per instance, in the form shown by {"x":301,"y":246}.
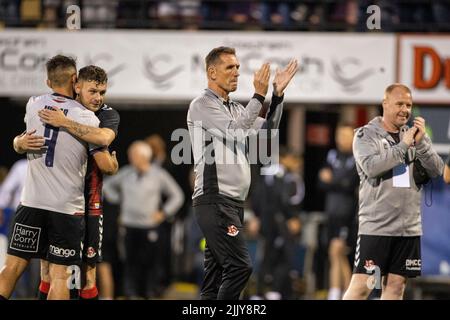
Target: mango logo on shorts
{"x":232,"y":231}
{"x":61,"y":252}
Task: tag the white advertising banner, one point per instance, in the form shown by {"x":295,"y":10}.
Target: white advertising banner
{"x":424,"y":65}
{"x":151,"y":66}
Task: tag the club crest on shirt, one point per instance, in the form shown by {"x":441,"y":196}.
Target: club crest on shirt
{"x":232,"y":231}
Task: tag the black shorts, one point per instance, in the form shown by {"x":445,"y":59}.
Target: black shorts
{"x":397,"y":255}
{"x":93,"y":238}
{"x":53,"y":236}
{"x":342,"y":227}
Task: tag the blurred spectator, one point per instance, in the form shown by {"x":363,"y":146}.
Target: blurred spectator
{"x":158,"y":149}
{"x":176,"y":14}
{"x":418,"y":14}
{"x":110,"y":265}
{"x":194,"y":242}
{"x":239,"y":12}
{"x":133,"y":13}
{"x":213,"y":13}
{"x":99,"y":13}
{"x":10,"y":193}
{"x":334,"y":15}
{"x":300,"y":13}
{"x":50,"y":13}
{"x":276,"y":201}
{"x":10,"y":12}
{"x":352,"y":13}
{"x":189,"y":11}
{"x":339,"y":179}
{"x":167,"y":12}
{"x":54,"y":12}
{"x":30,"y":11}
{"x":159,"y":158}
{"x":3,"y":222}
{"x":345,"y":13}
{"x":11,"y":188}
{"x":3,"y":174}
{"x":441,"y":13}
{"x":318,"y":15}
{"x":390,"y":14}
{"x":275,"y":13}
{"x":139,"y":188}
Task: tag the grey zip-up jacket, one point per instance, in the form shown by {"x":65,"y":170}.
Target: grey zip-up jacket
{"x":219,"y":144}
{"x":386,"y":210}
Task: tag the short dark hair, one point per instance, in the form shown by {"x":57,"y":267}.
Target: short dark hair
{"x":93,"y":73}
{"x":214,"y":55}
{"x":58,"y":69}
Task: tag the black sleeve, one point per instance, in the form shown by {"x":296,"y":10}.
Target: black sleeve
{"x":259,"y":97}
{"x":109,"y":118}
{"x":276,"y":101}
{"x":448,"y":160}
{"x":274,"y":114}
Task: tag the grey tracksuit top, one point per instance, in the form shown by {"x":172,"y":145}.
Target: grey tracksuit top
{"x":386,"y":210}
{"x":226,"y":126}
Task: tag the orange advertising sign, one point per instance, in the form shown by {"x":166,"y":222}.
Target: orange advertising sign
{"x":424,"y":65}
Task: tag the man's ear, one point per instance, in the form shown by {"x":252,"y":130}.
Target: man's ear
{"x":49,"y":83}
{"x":212,"y":73}
{"x":77,"y":87}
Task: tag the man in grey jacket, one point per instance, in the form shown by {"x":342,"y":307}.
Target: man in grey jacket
{"x":221,"y":186}
{"x":391,"y":157}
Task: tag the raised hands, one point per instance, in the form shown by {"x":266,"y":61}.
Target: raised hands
{"x":283,"y":77}
{"x":408,"y":137}
{"x":419,"y":123}
{"x":416,"y":132}
{"x":261,"y":79}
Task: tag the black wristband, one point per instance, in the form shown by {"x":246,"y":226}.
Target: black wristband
{"x":273,"y":105}
{"x":276,"y":100}
{"x":259,"y":97}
